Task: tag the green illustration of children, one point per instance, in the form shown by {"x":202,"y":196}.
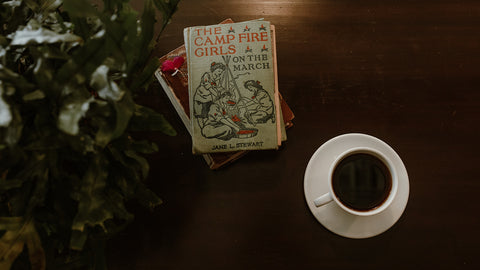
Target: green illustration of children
{"x":219,"y":77}
{"x":259,"y":106}
{"x":205,"y":94}
{"x":219,"y":124}
{"x":223,"y":112}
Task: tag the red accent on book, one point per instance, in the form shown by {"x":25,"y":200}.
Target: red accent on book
{"x":170,"y":66}
{"x":246,"y":131}
{"x":235,"y":118}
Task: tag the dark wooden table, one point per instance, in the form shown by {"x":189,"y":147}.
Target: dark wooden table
{"x":407,"y":72}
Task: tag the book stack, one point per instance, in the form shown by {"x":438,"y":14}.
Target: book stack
{"x":223,"y":85}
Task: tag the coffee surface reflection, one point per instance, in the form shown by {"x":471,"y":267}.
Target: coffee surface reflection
{"x":361,"y":182}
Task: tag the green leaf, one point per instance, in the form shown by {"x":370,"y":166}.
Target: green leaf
{"x":40,"y":177}
{"x":147,"y":197}
{"x":78,"y":239}
{"x":80,"y":8}
{"x":86,"y":27}
{"x":97,"y":204}
{"x":8,"y":77}
{"x":90,"y":194}
{"x":35,"y":249}
{"x":123,"y":111}
{"x":7,"y":184}
{"x":147,"y":119}
{"x":85,"y":60}
{"x":13,"y":242}
{"x":147,"y":74}
{"x":10,"y":248}
{"x":141,"y":161}
{"x":144,"y":147}
{"x":50,"y":5}
{"x":32,"y":4}
{"x":3,"y":42}
{"x":147,"y":23}
{"x":52,"y":52}
{"x":112,"y":5}
{"x":167,"y":8}
{"x":116,"y":202}
{"x":14,"y":15}
{"x":11,"y":223}
{"x":35,"y":95}
{"x":128,"y":19}
{"x":44,"y":73}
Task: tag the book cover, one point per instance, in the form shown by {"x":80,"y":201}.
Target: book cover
{"x":231,"y":81}
{"x":175,"y":84}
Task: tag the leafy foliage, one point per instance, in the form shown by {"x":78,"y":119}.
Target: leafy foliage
{"x":69,"y":75}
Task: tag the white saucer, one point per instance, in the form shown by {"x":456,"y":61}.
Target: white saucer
{"x":331,"y":215}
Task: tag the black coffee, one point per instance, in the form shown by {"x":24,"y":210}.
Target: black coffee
{"x":361,"y":182}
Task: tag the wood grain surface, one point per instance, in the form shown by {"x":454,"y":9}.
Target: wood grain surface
{"x":406,"y":72}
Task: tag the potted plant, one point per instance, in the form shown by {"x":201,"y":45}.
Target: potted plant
{"x":70,"y":73}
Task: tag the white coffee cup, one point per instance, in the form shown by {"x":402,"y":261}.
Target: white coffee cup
{"x":331,"y":196}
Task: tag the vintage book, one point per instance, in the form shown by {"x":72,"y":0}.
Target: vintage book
{"x":231,"y":80}
{"x":176,"y":88}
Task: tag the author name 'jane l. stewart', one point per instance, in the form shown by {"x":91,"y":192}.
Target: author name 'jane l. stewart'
{"x":237,"y":145}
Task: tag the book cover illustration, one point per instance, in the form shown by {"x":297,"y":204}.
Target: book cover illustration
{"x":231,"y":87}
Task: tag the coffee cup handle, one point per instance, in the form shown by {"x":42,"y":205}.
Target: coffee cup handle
{"x":322,"y":200}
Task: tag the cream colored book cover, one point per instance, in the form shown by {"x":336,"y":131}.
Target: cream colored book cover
{"x":231,"y":87}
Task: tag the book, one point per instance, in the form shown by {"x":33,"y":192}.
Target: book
{"x":232,"y":91}
{"x":176,"y":89}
